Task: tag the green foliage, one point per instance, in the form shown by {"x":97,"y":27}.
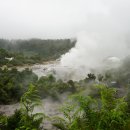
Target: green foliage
{"x":72,"y":117}
{"x":32,"y":51}
{"x":48,"y":86}
{"x":28,"y":97}
{"x":25,"y":118}
{"x":87,"y":113}
{"x":3,"y":54}
{"x":14,"y":120}
{"x":14,"y":83}
{"x":3,"y":122}
{"x":29,"y":101}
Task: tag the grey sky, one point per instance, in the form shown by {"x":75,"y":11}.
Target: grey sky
{"x":61,"y":18}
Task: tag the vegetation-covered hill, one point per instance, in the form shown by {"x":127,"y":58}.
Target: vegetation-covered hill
{"x":33,"y":51}
{"x":98,"y":102}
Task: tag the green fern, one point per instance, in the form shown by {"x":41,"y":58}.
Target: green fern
{"x":107,"y":112}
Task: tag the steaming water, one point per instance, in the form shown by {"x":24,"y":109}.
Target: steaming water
{"x":59,"y":71}
{"x":56,"y":69}
{"x":73,"y":72}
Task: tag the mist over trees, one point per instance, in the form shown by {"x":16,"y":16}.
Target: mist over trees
{"x":46,"y":48}
{"x":33,"y":50}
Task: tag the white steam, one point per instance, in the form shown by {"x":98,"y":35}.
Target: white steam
{"x":106,"y":35}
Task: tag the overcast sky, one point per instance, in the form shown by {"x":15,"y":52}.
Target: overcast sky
{"x":61,"y":18}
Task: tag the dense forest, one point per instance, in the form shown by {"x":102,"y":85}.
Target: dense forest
{"x":33,"y":51}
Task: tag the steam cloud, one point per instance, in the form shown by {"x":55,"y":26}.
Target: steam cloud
{"x":106,"y":35}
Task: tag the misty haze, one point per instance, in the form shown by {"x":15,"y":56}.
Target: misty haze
{"x":64,"y":65}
